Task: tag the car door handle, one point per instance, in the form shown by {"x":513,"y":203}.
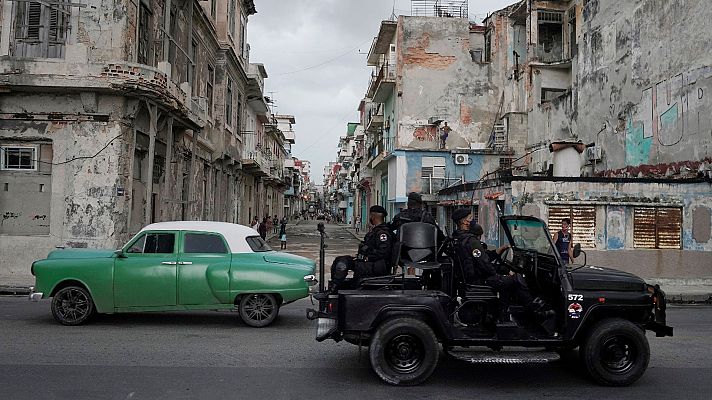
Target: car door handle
{"x":168,"y":262}
{"x":185,"y":263}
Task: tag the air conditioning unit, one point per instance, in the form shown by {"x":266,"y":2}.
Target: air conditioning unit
{"x":593,"y":153}
{"x":462,"y":159}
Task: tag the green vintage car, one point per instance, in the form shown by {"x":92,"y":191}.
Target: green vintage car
{"x":175,"y":266}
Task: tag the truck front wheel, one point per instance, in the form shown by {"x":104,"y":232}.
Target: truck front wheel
{"x":404,"y":351}
{"x":616,"y":352}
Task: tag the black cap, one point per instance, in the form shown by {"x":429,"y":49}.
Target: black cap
{"x":378,"y":209}
{"x":459,"y":214}
{"x":414,"y":197}
{"x":476,"y":229}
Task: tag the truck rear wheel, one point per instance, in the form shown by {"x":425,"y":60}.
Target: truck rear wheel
{"x":404,"y":351}
{"x":616,"y":352}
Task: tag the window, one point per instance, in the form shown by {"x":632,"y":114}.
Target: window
{"x":583,"y":223}
{"x":548,"y":94}
{"x":550,"y":43}
{"x":488,"y":46}
{"x":41,"y":29}
{"x":657,"y":228}
{"x":257,"y":244}
{"x":231,"y":18}
{"x":213,"y":8}
{"x":144,"y":35}
{"x":243,"y":35}
{"x":238,"y":127}
{"x":228,"y":103}
{"x":154,"y":243}
{"x":573,"y":48}
{"x":19,"y":158}
{"x":194,"y":83}
{"x":209,"y":88}
{"x":204,"y":243}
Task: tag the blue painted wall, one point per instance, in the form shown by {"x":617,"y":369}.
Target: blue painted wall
{"x":414,"y":164}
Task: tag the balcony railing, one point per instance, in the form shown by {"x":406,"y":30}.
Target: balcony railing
{"x":432,"y":185}
{"x":555,"y":54}
{"x":386,"y":73}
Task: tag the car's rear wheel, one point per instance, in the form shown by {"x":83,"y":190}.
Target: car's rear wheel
{"x":404,"y":351}
{"x":616,"y":352}
{"x":72,"y":305}
{"x":258,"y":309}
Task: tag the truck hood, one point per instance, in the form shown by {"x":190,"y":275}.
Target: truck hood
{"x":81,"y":253}
{"x":592,"y":277}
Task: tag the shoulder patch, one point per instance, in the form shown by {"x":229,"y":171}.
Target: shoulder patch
{"x":476,"y":253}
{"x":383,"y":237}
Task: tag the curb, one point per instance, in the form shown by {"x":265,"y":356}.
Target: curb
{"x":14,"y":290}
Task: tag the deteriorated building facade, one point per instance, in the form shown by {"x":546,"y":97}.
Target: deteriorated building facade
{"x":114,"y":115}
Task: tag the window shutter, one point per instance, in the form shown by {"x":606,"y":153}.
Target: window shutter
{"x":34,"y":20}
{"x":583,"y":223}
{"x":669,"y":225}
{"x":644,"y":228}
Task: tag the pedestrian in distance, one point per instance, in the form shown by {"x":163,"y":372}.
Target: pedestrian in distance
{"x":263,"y":229}
{"x":255,"y":224}
{"x":358,"y":224}
{"x":283,"y":234}
{"x":269,"y":223}
{"x":275,"y":221}
{"x":564,"y":242}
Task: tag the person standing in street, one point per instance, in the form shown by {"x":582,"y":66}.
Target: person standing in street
{"x":275,"y":222}
{"x":283,"y":234}
{"x":255,"y":224}
{"x":263,"y":229}
{"x":358,"y":223}
{"x":564,"y":242}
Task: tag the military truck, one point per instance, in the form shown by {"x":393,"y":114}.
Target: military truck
{"x":409,"y":321}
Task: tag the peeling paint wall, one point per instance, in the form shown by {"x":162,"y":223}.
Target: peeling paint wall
{"x":614,"y":203}
{"x":438,"y":78}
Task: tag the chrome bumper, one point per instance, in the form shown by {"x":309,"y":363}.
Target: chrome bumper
{"x":34,"y":296}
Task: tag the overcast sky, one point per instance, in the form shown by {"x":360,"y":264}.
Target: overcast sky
{"x":313,"y":53}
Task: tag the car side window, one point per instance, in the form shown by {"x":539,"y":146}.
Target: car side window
{"x":257,"y":244}
{"x":154,"y":243}
{"x":203,"y":243}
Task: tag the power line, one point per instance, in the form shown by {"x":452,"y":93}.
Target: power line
{"x":324,"y":62}
{"x":75,"y":158}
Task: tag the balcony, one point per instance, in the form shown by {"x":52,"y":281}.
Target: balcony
{"x":549,"y":54}
{"x":374,"y":118}
{"x":382,"y":83}
{"x":432,"y":185}
{"x":256,"y":164}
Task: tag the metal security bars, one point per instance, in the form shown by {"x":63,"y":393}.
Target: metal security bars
{"x":657,"y":228}
{"x":583,"y":223}
{"x":439,"y":8}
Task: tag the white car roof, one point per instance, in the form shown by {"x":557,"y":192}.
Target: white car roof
{"x":234,"y":234}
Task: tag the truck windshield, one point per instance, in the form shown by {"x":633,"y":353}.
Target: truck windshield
{"x":530,"y":235}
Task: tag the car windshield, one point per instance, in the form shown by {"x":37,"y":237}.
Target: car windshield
{"x":257,"y":244}
{"x":530,"y":235}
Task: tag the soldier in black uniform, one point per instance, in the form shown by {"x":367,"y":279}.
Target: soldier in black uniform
{"x":414,"y":212}
{"x":374,"y":253}
{"x":477,"y":266}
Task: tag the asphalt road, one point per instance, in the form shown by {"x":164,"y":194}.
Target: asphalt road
{"x":207,"y":355}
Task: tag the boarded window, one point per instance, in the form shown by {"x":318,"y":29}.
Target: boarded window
{"x":41,"y":29}
{"x":583,"y":223}
{"x":657,"y":228}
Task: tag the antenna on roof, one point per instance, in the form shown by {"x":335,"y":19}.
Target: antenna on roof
{"x":393,"y":11}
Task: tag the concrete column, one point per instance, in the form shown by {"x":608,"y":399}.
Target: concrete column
{"x":168,"y":180}
{"x":191,"y":173}
{"x":153,"y":122}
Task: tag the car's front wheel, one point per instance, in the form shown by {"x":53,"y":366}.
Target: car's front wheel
{"x":72,"y":305}
{"x":258,"y":309}
{"x":616,"y":352}
{"x":404,"y":351}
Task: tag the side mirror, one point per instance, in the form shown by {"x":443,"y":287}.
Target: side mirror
{"x":120,"y":253}
{"x":577,"y":250}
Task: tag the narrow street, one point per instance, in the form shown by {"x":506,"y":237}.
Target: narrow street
{"x":205,"y":355}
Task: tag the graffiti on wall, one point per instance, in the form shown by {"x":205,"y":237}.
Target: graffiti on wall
{"x":669,"y":110}
{"x":425,"y":133}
